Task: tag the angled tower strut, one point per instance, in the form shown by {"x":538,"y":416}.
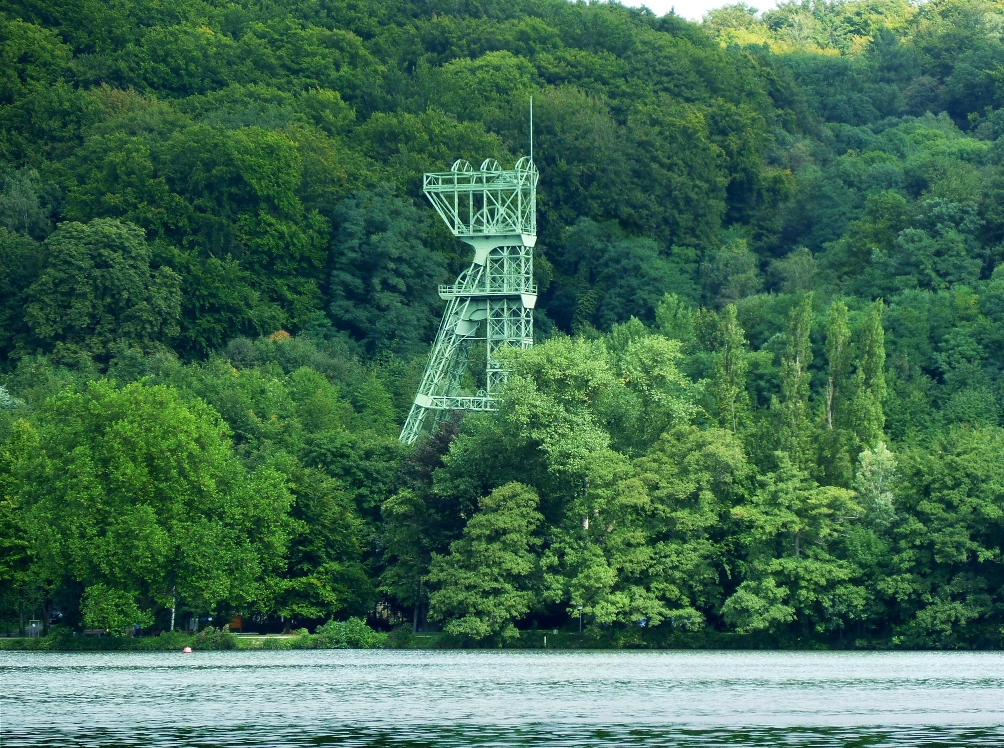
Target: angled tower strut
{"x":493,"y":210}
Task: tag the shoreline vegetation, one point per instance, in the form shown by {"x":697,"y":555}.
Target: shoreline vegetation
{"x":355,"y":634}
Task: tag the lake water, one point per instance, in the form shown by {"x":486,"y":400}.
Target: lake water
{"x":498,"y":698}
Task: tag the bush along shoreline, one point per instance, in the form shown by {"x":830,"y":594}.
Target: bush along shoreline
{"x":351,"y":634}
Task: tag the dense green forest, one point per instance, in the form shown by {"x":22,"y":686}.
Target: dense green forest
{"x":766,"y":395}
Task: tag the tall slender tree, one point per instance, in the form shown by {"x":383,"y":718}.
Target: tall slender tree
{"x":835,"y":463}
{"x":838,"y":338}
{"x":867,"y":416}
{"x":730,"y":369}
{"x":792,"y":408}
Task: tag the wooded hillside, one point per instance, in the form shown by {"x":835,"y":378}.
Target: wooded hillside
{"x":766,"y":395}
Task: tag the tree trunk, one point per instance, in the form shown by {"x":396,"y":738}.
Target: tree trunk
{"x":20,"y":612}
{"x":829,"y":404}
{"x":174,"y":603}
{"x":418,"y":606}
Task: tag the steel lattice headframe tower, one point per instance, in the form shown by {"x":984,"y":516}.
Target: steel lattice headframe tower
{"x":495,"y":211}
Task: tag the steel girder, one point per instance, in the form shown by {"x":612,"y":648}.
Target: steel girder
{"x":491,"y":301}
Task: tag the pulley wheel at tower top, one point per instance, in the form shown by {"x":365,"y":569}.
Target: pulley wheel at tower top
{"x":524,"y":164}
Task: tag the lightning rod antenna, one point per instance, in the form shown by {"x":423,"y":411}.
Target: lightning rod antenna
{"x":531,"y":129}
{"x":490,"y":305}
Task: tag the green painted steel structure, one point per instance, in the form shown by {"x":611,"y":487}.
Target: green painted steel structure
{"x":495,"y":211}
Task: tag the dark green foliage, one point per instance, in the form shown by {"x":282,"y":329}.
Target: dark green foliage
{"x":612,"y":277}
{"x":383,"y":278}
{"x":21,"y":261}
{"x":98,"y":293}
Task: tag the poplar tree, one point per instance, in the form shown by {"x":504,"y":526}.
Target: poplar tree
{"x":838,"y":338}
{"x":867,"y":419}
{"x":835,"y":460}
{"x":731,"y":366}
{"x":792,"y":408}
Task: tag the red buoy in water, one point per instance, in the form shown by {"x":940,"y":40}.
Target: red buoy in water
{"x":187,"y":650}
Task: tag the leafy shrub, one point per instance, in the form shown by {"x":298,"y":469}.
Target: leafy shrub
{"x":401,"y":637}
{"x":168,"y":641}
{"x":210,"y":638}
{"x":350,"y":634}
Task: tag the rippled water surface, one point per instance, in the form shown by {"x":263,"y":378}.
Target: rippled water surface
{"x":432,"y":698}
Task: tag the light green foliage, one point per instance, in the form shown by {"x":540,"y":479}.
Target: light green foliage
{"x":729,"y":373}
{"x":648,"y":367}
{"x":606,"y":554}
{"x":838,"y":356}
{"x":790,"y":527}
{"x":350,"y":634}
{"x":852,"y":414}
{"x":557,"y":400}
{"x":867,"y":417}
{"x":112,"y":609}
{"x":674,"y":319}
{"x":645,"y":540}
{"x":489,"y":577}
{"x":949,"y":516}
{"x":873,"y":484}
{"x":211,"y":638}
{"x":138,"y":493}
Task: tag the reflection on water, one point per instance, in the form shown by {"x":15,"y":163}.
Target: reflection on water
{"x":432,"y":699}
